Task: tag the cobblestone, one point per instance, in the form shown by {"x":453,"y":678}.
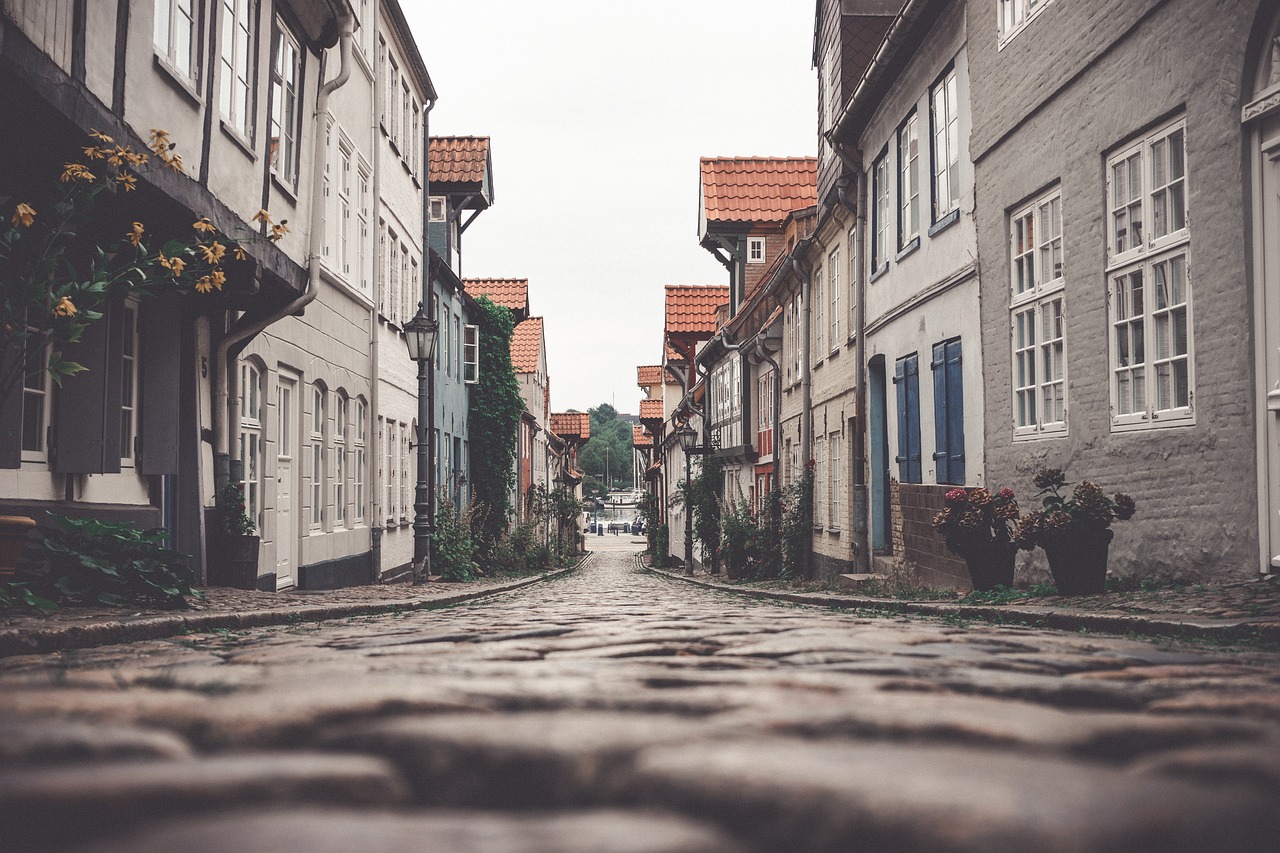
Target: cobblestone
{"x":614,"y":709}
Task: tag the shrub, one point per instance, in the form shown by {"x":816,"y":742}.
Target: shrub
{"x":659,"y":543}
{"x":453,"y":549}
{"x":797,"y":526}
{"x":740,"y":538}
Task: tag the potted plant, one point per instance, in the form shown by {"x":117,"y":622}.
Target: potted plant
{"x":1074,"y":532}
{"x":234,"y":553}
{"x":979,"y":527}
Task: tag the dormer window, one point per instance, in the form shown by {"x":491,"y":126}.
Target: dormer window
{"x":755,"y":250}
{"x":437,"y":208}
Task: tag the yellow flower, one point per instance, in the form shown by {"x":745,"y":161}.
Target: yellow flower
{"x":95,"y":153}
{"x":159,"y":141}
{"x":175,"y":163}
{"x":76,"y":172}
{"x":219,"y":278}
{"x":116,"y":158}
{"x":102,"y":137}
{"x":240,"y":253}
{"x":204,"y":284}
{"x":135,"y":233}
{"x":64,"y":308}
{"x":262,"y":216}
{"x":129,"y":182}
{"x":213,"y":252}
{"x":23,"y":215}
{"x":278,"y":231}
{"x":135,"y":158}
{"x":174,"y":265}
{"x":203,"y":224}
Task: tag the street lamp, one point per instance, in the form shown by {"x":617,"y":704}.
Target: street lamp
{"x":689,"y":444}
{"x":420,"y":337}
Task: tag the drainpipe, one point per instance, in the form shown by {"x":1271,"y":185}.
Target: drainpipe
{"x":375,"y":353}
{"x":803,"y":272}
{"x":226,"y":409}
{"x":427,"y":431}
{"x":861,"y":507}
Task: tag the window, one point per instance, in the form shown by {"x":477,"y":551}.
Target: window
{"x":436,"y":212}
{"x":175,"y":37}
{"x":908,"y":181}
{"x":360,"y":462}
{"x":128,"y":382}
{"x":344,"y":210}
{"x":906,"y":380}
{"x":406,"y":482}
{"x":819,"y":330}
{"x":853,"y":281}
{"x":414,"y":287}
{"x":236,"y":85}
{"x":833,"y":290}
{"x":880,"y":212}
{"x":406,"y":295}
{"x":726,"y":402}
{"x":835,"y":480}
{"x":392,"y":291}
{"x":764,"y":414}
{"x":390,"y":470}
{"x":821,"y":488}
{"x":470,"y":354}
{"x":286,"y":76}
{"x":948,"y":412}
{"x":445,"y":345}
{"x":1016,"y":14}
{"x":317,"y":455}
{"x":755,"y":250}
{"x":796,"y":338}
{"x":945,"y":147}
{"x":365,"y":31}
{"x":391,"y":109}
{"x":404,"y":139}
{"x":37,"y":402}
{"x":456,"y":343}
{"x":1038,"y":289}
{"x":362,"y":229}
{"x":1149,"y":282}
{"x":340,"y":459}
{"x":415,"y":142}
{"x":251,"y":439}
{"x":382,"y":269}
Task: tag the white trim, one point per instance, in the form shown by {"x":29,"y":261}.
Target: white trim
{"x":756,"y":250}
{"x":1014,"y":16}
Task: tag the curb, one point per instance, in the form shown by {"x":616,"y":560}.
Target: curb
{"x":1056,"y":618}
{"x":27,"y":641}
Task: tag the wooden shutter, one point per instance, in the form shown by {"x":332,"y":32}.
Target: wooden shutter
{"x":912,"y":381}
{"x":86,"y":417}
{"x":941,"y":448}
{"x":900,"y":386}
{"x":948,"y":412}
{"x":161,"y":362}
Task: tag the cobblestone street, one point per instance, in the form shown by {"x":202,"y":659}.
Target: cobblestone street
{"x":614,"y":710}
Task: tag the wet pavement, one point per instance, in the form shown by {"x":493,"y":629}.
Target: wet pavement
{"x":612,"y":709}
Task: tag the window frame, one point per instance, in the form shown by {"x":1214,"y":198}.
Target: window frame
{"x":880,"y":204}
{"x":1014,"y":16}
{"x":285,"y":129}
{"x":946,"y":131}
{"x":167,"y":53}
{"x":361,"y":450}
{"x":470,"y":354}
{"x":835,"y":480}
{"x":252,"y":402}
{"x":1037,"y":305}
{"x":341,"y":407}
{"x":817,"y":322}
{"x":240,"y":23}
{"x":908,"y":174}
{"x":833,"y":294}
{"x":130,"y":381}
{"x":37,"y":398}
{"x":317,"y":442}
{"x":757,"y":250}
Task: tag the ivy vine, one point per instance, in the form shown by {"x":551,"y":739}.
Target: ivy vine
{"x":496,"y":405}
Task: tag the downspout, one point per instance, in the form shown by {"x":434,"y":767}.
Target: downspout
{"x":375,"y":349}
{"x":226,"y":409}
{"x":803,"y":272}
{"x":429,"y":304}
{"x":861,"y":506}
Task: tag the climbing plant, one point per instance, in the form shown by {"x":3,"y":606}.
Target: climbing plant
{"x":494,"y":419}
{"x":797,"y":526}
{"x":704,"y":498}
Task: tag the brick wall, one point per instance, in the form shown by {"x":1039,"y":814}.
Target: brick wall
{"x":923,"y":549}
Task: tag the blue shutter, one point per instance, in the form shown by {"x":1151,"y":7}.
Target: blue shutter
{"x":900,"y":385}
{"x":955,"y":413}
{"x":941,"y":446}
{"x":912,"y":381}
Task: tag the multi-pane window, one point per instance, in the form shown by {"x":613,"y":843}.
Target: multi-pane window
{"x":251,"y":439}
{"x":821,"y":488}
{"x":1037,"y":304}
{"x":406,"y":482}
{"x":415,"y":142}
{"x":286,"y":78}
{"x":391,"y":292}
{"x":390,"y":470}
{"x":407,"y":142}
{"x":833,"y":291}
{"x":755,"y":250}
{"x":317,"y":455}
{"x":457,"y":344}
{"x":360,"y":460}
{"x":764,"y":414}
{"x":1149,"y":282}
{"x":128,"y":382}
{"x":406,"y":295}
{"x":835,"y":479}
{"x":796,"y":339}
{"x":174,"y":32}
{"x":853,"y":281}
{"x":819,"y":327}
{"x":391,"y":109}
{"x":470,"y":354}
{"x":880,"y":212}
{"x":344,"y":210}
{"x":235,"y":89}
{"x":36,"y":402}
{"x":908,"y":181}
{"x":1014,"y":14}
{"x":362,"y":228}
{"x":945,"y":145}
{"x":340,"y":459}
{"x":382,"y":268}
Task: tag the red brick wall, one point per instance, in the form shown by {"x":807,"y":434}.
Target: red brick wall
{"x":923,"y":548}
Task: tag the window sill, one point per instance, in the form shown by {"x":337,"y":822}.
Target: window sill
{"x":239,"y":139}
{"x":852,"y":342}
{"x":1153,"y":423}
{"x":180,"y":81}
{"x":835,"y":352}
{"x":875,"y":274}
{"x":909,"y":248}
{"x":945,"y":222}
{"x":1040,"y":435}
{"x":291,"y":193}
{"x":834,"y":531}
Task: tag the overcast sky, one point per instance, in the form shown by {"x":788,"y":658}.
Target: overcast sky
{"x":598,"y":112}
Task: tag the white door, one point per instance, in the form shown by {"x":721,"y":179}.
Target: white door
{"x":286,"y":480}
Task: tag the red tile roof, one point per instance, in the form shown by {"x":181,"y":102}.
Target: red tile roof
{"x":526,"y":344}
{"x":652,"y":410}
{"x":649,"y":375}
{"x":571,"y":424}
{"x":691,"y":310}
{"x":458,"y":159}
{"x":672,"y":356}
{"x":510,"y":293}
{"x":640,"y":438}
{"x":757,"y":189}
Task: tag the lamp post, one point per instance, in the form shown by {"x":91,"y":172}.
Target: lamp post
{"x":420,"y":337}
{"x":689,"y":444}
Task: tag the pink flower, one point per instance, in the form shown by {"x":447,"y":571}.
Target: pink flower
{"x":957,"y":496}
{"x":1006,"y":493}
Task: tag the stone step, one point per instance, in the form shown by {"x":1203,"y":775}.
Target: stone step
{"x":856,"y":581}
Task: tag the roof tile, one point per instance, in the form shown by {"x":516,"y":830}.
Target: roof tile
{"x":691,"y":309}
{"x":526,"y":345}
{"x":649,"y":375}
{"x":640,"y":438}
{"x":510,"y":293}
{"x":457,"y":159}
{"x":757,"y":189}
{"x":652,"y":410}
{"x":571,"y":424}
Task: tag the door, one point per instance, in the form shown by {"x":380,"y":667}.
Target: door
{"x":1267,"y":275}
{"x":879,"y":438}
{"x":286,"y":480}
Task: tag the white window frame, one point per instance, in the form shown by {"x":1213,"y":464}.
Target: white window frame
{"x":251,"y":403}
{"x":470,"y":354}
{"x":908,"y":180}
{"x":130,"y":346}
{"x":37,"y":397}
{"x":835,"y":480}
{"x":345,"y":154}
{"x":168,"y":37}
{"x":362,"y":226}
{"x":1013,"y":16}
{"x":361,"y":431}
{"x":819,"y":329}
{"x":1037,"y":324}
{"x":390,"y":470}
{"x":833,"y":292}
{"x":437,"y":209}
{"x":944,"y":146}
{"x":880,"y":212}
{"x":239,"y":56}
{"x":1150,"y":260}
{"x":852,"y":269}
{"x":317,"y":456}
{"x":406,"y":297}
{"x":756,"y":250}
{"x":340,"y":413}
{"x":406,"y":481}
{"x":285,"y":115}
{"x":821,"y":489}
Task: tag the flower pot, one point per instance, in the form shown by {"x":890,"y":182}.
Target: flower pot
{"x":1079,"y":563}
{"x":14,"y":530}
{"x":235,"y":562}
{"x":991,"y":567}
